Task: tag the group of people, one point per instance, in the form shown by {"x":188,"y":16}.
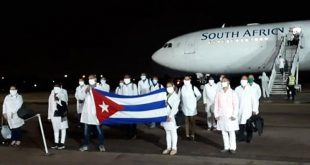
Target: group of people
{"x":86,"y":107}
{"x":227,"y":109}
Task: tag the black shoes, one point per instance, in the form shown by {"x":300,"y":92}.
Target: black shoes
{"x":59,"y":146}
{"x":231,"y":151}
{"x":55,"y":146}
{"x":224,"y":151}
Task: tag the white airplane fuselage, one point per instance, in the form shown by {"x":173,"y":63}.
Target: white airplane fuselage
{"x":241,"y":49}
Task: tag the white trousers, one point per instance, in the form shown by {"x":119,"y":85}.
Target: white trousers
{"x":229,"y":138}
{"x":63,"y":136}
{"x":265,"y":91}
{"x":171,"y":139}
{"x":210,"y":116}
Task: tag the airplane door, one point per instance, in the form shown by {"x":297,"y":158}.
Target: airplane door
{"x":190,"y":47}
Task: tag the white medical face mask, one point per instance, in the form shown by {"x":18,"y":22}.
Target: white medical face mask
{"x":155,"y":81}
{"x":81,"y":82}
{"x":187,"y":82}
{"x":121,"y":84}
{"x":13,"y":92}
{"x":103,"y":81}
{"x":224,"y":84}
{"x":91,"y":81}
{"x":143,"y":77}
{"x":211,"y":82}
{"x":170,"y":89}
{"x":244,"y":82}
{"x":57,"y":89}
{"x":126,"y":80}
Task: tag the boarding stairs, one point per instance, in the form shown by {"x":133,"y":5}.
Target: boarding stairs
{"x":277,"y":82}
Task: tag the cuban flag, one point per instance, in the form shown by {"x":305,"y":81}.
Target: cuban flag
{"x":118,"y":109}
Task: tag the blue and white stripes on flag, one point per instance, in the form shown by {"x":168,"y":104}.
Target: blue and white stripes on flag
{"x":145,"y":108}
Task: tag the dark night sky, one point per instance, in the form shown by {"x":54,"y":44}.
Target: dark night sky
{"x":44,"y":40}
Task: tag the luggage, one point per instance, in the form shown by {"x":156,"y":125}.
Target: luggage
{"x":24,"y":112}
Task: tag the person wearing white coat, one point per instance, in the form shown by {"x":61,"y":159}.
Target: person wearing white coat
{"x":255,"y":87}
{"x":12,"y":102}
{"x":155,"y":85}
{"x":170,"y":125}
{"x":265,"y":80}
{"x":130,"y":89}
{"x":209,"y":92}
{"x":144,"y":85}
{"x":226,"y":107}
{"x":248,"y":105}
{"x":103,"y":85}
{"x":281,"y":65}
{"x":57,"y":114}
{"x":119,"y":87}
{"x":189,"y":96}
{"x":219,"y":84}
{"x":89,"y":117}
{"x":80,"y":94}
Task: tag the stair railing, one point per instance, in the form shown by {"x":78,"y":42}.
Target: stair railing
{"x":274,"y":71}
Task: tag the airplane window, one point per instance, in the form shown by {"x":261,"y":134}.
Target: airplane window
{"x":169,"y":45}
{"x":165,"y":45}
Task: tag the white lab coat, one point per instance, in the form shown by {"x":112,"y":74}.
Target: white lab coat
{"x":80,"y":94}
{"x":89,"y":110}
{"x":265,"y":80}
{"x":219,"y":86}
{"x":281,"y":62}
{"x":105,"y":87}
{"x":209,"y":93}
{"x":144,"y":86}
{"x":256,"y":88}
{"x":188,"y":99}
{"x":247,"y":103}
{"x":290,"y":36}
{"x":129,"y":89}
{"x":173,"y":100}
{"x":52,"y":107}
{"x":11,"y":104}
{"x":226,"y":105}
{"x":155,"y":87}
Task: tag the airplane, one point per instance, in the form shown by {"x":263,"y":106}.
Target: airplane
{"x":233,"y":50}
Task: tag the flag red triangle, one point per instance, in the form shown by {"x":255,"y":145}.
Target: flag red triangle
{"x":105,"y":107}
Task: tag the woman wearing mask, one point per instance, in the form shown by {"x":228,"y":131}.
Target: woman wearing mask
{"x":170,"y":126}
{"x":11,"y":104}
{"x":226,"y":112}
{"x":189,"y":96}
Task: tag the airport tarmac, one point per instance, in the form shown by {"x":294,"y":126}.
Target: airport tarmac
{"x":285,"y":139}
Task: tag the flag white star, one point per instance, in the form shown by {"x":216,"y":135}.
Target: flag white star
{"x":104,"y":107}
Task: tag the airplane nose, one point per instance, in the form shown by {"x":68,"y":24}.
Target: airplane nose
{"x":157,"y":57}
{"x":162,"y":57}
